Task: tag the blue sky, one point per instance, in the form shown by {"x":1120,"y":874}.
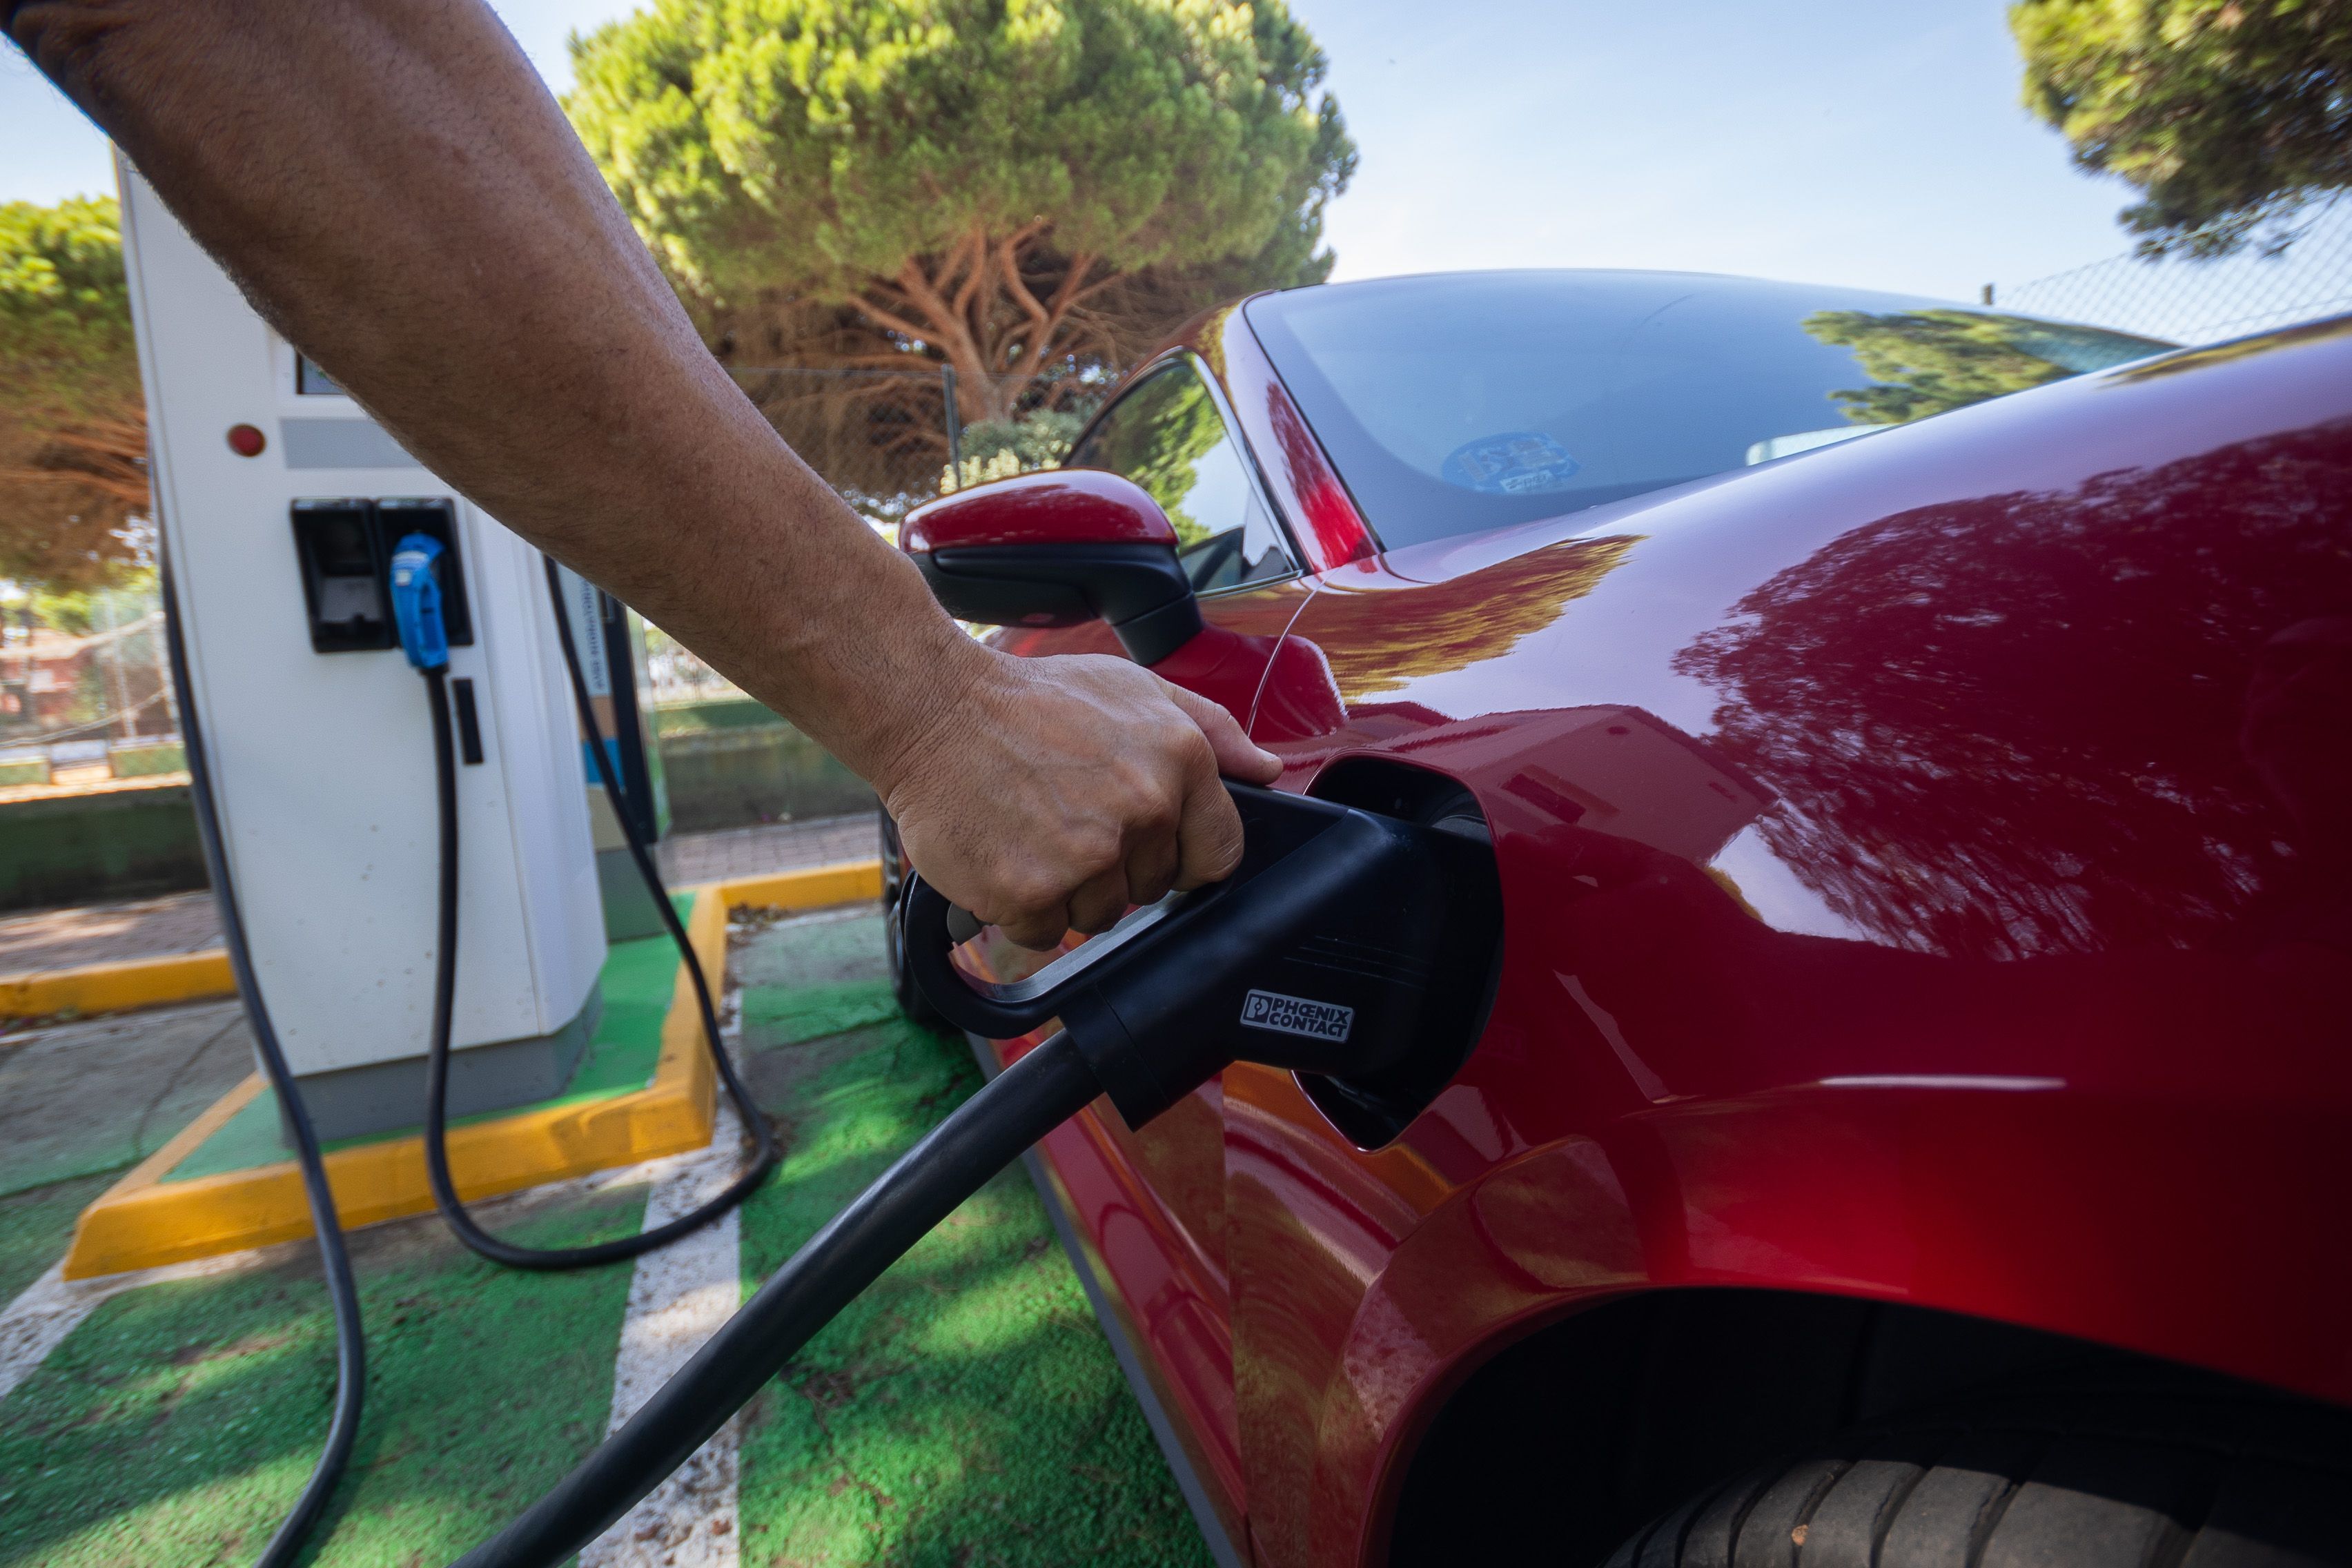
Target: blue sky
{"x":1876,"y":143}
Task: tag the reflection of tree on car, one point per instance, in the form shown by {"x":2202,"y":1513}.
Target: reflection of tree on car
{"x":1854,"y":683}
{"x":1166,"y":434}
{"x":1672,"y":959}
{"x":1369,"y":651}
{"x":1931,"y":362}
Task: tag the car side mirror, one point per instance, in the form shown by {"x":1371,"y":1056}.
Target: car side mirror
{"x":1054,"y":549}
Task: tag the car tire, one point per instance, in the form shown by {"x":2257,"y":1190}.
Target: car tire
{"x":909,"y":996}
{"x":2117,"y":1483}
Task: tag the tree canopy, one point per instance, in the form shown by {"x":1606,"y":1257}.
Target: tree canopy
{"x":1018,"y":188}
{"x":73,"y":428}
{"x":2230,"y":115}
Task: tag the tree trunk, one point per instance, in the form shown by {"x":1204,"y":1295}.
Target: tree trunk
{"x":979,"y":306}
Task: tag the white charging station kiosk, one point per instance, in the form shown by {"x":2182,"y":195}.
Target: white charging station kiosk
{"x":319,"y":732}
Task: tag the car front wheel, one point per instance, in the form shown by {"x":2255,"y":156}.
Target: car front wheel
{"x":2078,"y":1483}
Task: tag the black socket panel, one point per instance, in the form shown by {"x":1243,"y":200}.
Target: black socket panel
{"x":345,"y":546}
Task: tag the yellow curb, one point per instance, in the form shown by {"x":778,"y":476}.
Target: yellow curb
{"x":144,"y":1221}
{"x":848,"y":883}
{"x":117,"y":987}
{"x":93,"y":988}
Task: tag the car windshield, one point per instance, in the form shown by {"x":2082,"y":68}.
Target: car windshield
{"x":1455,"y":403}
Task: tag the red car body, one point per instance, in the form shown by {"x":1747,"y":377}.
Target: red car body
{"x":1924,"y":873}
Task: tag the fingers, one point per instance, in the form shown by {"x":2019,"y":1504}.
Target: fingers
{"x":1209,"y":835}
{"x":1237,"y":756}
{"x":1098,"y":902}
{"x":1039,"y":930}
{"x":1028,"y":904}
{"x":1153,"y":865}
{"x":1209,"y":838}
{"x":1083,"y":787}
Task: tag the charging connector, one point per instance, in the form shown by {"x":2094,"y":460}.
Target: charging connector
{"x":417,"y":606}
{"x":1324,"y":952}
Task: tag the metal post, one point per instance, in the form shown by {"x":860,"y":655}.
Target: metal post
{"x":955,"y":427}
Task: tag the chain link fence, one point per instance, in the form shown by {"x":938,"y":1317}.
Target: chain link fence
{"x":881,"y":437}
{"x":888,"y":440}
{"x":2190,"y":301}
{"x":84,"y":692}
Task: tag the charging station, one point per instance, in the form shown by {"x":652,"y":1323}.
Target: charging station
{"x":283,"y":501}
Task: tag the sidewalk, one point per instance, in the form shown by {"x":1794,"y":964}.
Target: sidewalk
{"x":187,"y":923}
{"x":107,"y":933}
{"x":695,"y":857}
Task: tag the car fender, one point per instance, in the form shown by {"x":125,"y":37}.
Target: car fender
{"x":2042,"y":1062}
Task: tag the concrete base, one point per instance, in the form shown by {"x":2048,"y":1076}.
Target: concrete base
{"x":127,"y":840}
{"x":630,"y":911}
{"x":737,"y":776}
{"x":354,"y":1103}
{"x":161,"y":1213}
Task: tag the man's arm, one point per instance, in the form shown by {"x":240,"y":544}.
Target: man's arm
{"x":395,"y":191}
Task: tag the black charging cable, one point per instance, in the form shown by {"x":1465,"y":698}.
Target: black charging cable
{"x":1157,"y":1009}
{"x":954,"y":1160}
{"x":766,"y":1152}
{"x":334,"y":1256}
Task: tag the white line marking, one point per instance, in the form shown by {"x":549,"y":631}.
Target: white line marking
{"x":52,"y":1307}
{"x":678,"y":1298}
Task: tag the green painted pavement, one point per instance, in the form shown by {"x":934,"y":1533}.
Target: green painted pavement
{"x":34,"y":1227}
{"x":966,"y":1410}
{"x":179,"y":1422}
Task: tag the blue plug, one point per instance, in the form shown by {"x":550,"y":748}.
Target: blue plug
{"x":416,"y":601}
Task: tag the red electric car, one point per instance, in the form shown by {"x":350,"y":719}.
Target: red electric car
{"x":1913,"y":1121}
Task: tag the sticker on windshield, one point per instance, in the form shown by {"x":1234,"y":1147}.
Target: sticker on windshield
{"x":1515,"y":463}
{"x":1298,"y":1016}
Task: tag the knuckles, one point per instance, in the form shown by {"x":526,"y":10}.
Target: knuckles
{"x":1092,"y":769}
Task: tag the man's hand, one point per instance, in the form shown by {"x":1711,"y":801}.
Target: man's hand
{"x":1062,"y":790}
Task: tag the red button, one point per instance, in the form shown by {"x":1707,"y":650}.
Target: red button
{"x":246,"y":440}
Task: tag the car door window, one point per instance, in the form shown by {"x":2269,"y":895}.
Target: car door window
{"x":1166,"y":435}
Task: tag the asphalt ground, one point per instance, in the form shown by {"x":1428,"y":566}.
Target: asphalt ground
{"x":965,"y":1411}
